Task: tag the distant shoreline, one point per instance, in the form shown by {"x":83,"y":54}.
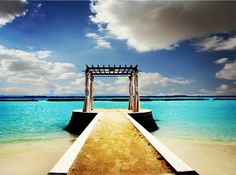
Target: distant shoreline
{"x":9,"y":100}
{"x":112,"y":98}
{"x":117,"y":96}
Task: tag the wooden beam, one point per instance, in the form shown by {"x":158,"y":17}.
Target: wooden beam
{"x":111,"y":70}
{"x":107,"y":75}
{"x":99,"y":69}
{"x":93,"y":70}
{"x":112,"y":73}
{"x":119,"y":69}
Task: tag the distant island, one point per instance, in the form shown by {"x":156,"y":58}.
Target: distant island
{"x":116,"y":98}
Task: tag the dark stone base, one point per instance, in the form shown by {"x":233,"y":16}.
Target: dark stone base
{"x":145,"y":119}
{"x":79,"y":121}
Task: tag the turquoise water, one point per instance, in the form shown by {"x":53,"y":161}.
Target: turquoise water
{"x":204,"y":120}
{"x":200,"y":120}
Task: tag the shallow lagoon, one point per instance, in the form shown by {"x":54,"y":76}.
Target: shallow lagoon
{"x":199,"y":120}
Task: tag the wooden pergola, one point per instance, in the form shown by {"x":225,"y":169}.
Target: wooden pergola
{"x":111,"y":71}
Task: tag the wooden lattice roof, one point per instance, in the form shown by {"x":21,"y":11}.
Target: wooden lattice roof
{"x":109,"y":70}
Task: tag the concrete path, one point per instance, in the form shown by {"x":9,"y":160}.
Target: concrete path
{"x":115,"y":146}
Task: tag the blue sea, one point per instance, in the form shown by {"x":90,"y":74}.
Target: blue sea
{"x":210,"y":120}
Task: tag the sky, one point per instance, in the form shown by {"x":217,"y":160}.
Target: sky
{"x":180,"y":47}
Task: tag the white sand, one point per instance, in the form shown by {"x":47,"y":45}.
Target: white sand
{"x":39,"y":157}
{"x":207,"y":158}
{"x":31,"y":158}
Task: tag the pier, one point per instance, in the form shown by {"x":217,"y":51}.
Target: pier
{"x":116,"y":141}
{"x":121,"y":149}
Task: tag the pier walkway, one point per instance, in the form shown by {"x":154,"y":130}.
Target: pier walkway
{"x":114,"y":143}
{"x":115,"y":146}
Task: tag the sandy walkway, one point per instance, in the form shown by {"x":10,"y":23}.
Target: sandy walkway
{"x":115,"y":146}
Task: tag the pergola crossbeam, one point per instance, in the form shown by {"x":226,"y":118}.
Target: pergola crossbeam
{"x":110,"y":70}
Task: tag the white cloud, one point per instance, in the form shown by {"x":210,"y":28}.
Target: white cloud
{"x":21,"y":54}
{"x":156,"y":79}
{"x":22,"y":91}
{"x":68,"y":76}
{"x":222,"y":89}
{"x":39,"y":5}
{"x":92,"y":35}
{"x":155,"y":25}
{"x":228,"y":72}
{"x":79,"y":81}
{"x":102,"y":87}
{"x":152,"y":83}
{"x":30,"y":63}
{"x":43,"y":54}
{"x":69,"y":90}
{"x":39,"y":82}
{"x":101,"y":42}
{"x":216,"y":43}
{"x":110,"y":88}
{"x":221,"y":60}
{"x":31,"y":73}
{"x":9,"y":10}
{"x":149,"y":84}
{"x":31,"y":70}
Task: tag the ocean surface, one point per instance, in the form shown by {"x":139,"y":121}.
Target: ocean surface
{"x":210,"y":120}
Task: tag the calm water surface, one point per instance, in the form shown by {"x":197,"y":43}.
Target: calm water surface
{"x":200,"y":120}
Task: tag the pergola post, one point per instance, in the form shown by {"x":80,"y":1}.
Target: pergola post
{"x":87,"y":99}
{"x":131,"y":98}
{"x":107,"y":71}
{"x":136,"y":94}
{"x":91,"y":91}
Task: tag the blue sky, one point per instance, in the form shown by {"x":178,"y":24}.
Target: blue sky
{"x":45,"y":45}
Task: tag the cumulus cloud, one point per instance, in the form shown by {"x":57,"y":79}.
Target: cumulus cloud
{"x":31,"y":70}
{"x":31,"y":63}
{"x":157,"y":79}
{"x":68,"y":75}
{"x":221,"y":60}
{"x":155,"y":25}
{"x":31,"y":73}
{"x":222,"y":89}
{"x":104,"y":88}
{"x":152,"y":83}
{"x":21,"y":54}
{"x":9,"y":10}
{"x":22,"y":91}
{"x":228,"y":72}
{"x":40,"y":82}
{"x":101,"y":42}
{"x":216,"y":43}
